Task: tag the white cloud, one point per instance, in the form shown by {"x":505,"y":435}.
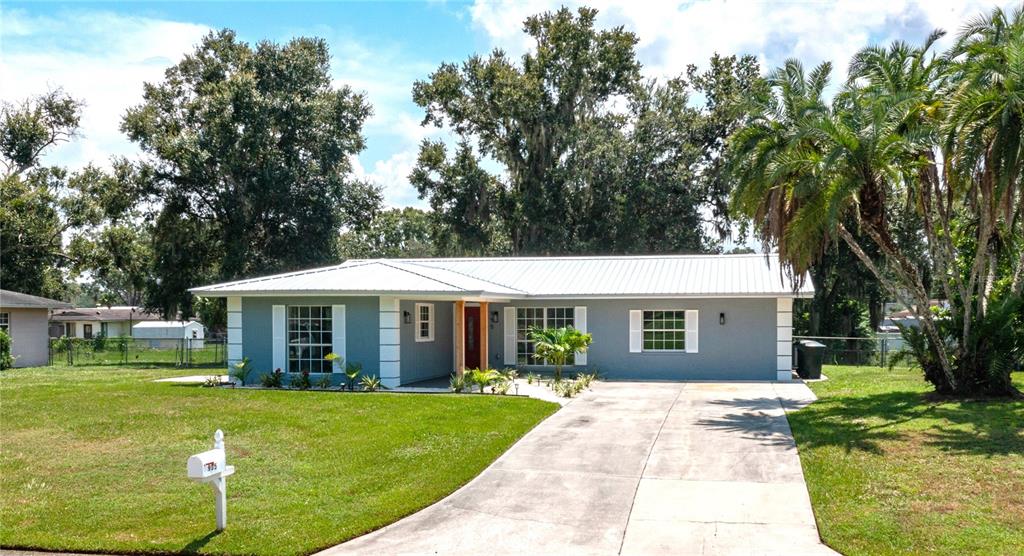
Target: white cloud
{"x":99,"y":57}
{"x":672,"y":36}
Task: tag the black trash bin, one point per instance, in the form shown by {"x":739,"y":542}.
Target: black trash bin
{"x":808,"y":358}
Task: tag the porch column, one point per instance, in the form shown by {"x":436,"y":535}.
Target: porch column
{"x":460,"y":337}
{"x":390,"y":343}
{"x":484,"y":326}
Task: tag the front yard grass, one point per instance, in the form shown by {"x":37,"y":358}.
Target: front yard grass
{"x":94,"y":458}
{"x":892,"y":469}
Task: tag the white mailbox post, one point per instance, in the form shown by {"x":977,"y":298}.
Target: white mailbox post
{"x":210,"y":467}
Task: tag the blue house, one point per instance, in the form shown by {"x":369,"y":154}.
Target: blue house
{"x":669,"y":317}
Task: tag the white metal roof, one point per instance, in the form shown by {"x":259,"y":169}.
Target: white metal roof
{"x":516,"y":277}
{"x":164,"y":324}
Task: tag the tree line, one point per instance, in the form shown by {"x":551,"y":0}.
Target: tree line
{"x":905,"y":184}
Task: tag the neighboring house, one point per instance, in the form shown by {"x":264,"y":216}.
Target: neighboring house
{"x":721,"y":317}
{"x":89,"y":322}
{"x":169,"y":333}
{"x":24,"y":318}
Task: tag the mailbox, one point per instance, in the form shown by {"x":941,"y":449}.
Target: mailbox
{"x":209,"y":467}
{"x":206,"y":465}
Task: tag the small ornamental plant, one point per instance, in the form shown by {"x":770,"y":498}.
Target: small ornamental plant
{"x":352,"y":372}
{"x":241,"y":370}
{"x":273,"y":380}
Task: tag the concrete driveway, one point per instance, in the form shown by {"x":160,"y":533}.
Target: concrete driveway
{"x":632,"y":468}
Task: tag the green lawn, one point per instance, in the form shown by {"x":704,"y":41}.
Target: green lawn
{"x":94,"y":459}
{"x":893,"y":470}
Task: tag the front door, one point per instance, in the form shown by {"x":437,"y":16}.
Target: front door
{"x":472,"y":337}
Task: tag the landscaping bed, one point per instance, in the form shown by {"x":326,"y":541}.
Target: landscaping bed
{"x":93,"y":459}
{"x":893,"y":469}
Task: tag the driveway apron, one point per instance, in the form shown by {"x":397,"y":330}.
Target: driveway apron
{"x":632,"y":468}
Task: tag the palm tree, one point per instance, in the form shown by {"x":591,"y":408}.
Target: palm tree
{"x":915,"y":136}
{"x":557,"y":345}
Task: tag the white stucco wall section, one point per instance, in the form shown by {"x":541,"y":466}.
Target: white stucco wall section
{"x":234,"y":330}
{"x":784,"y":338}
{"x":390,"y":342}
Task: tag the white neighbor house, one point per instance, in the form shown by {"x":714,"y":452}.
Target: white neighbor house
{"x":168,"y":333}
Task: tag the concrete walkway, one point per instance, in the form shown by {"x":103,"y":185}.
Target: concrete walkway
{"x":632,"y":468}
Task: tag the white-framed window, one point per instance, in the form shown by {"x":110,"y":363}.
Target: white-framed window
{"x":87,"y":331}
{"x":528,"y":318}
{"x":310,"y":330}
{"x":424,"y":322}
{"x":69,"y":329}
{"x":5,"y":322}
{"x":664,"y":330}
{"x":104,"y":329}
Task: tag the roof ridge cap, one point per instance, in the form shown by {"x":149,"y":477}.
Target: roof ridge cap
{"x":389,"y":264}
{"x":524,"y":292}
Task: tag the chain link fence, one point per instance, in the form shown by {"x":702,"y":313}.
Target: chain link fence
{"x":877,"y":350}
{"x":186,"y":352}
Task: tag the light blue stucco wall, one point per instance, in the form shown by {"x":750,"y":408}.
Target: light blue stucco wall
{"x":742,"y":349}
{"x":423,"y":360}
{"x":362,"y":329}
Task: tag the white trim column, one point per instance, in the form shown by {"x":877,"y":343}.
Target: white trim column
{"x":234,"y":346}
{"x":784,"y":338}
{"x":390,"y":342}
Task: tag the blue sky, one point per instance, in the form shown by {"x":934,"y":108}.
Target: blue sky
{"x":103,"y":52}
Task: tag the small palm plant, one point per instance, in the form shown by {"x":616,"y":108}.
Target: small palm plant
{"x":482,"y":378}
{"x":556,"y":345}
{"x":352,"y":372}
{"x":457,"y":383}
{"x":241,"y":370}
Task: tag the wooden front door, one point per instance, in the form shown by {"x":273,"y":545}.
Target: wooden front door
{"x":472,"y":343}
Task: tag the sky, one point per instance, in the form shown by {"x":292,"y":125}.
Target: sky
{"x":102,"y":53}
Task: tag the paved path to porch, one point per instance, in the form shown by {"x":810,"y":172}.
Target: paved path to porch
{"x":632,"y":468}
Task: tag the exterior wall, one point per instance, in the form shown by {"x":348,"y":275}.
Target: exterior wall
{"x":29,"y":336}
{"x":742,"y":349}
{"x":423,"y":360}
{"x":361,"y":324}
{"x":115,"y":328}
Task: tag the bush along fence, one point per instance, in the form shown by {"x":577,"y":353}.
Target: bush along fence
{"x":124,"y":351}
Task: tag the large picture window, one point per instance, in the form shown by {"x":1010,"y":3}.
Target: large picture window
{"x":664,"y":330}
{"x":539,"y":317}
{"x":309,"y":339}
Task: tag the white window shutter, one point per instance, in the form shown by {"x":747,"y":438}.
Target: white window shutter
{"x":691,"y":331}
{"x":338,"y":332}
{"x":279,"y":350}
{"x":636,"y":332}
{"x":510,"y":335}
{"x":580,"y":315}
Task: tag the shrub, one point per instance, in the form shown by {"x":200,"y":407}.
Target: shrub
{"x":334,"y":359}
{"x":99,"y":342}
{"x":352,"y":372}
{"x":370,"y":383}
{"x":457,"y":383}
{"x":6,"y":359}
{"x":532,"y":377}
{"x":301,"y":381}
{"x":273,"y":380}
{"x":241,"y":370}
{"x":211,"y":381}
{"x":324,"y":381}
{"x":556,"y":345}
{"x":481,"y":378}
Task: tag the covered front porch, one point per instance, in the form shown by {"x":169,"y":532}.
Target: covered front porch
{"x":425,"y":340}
